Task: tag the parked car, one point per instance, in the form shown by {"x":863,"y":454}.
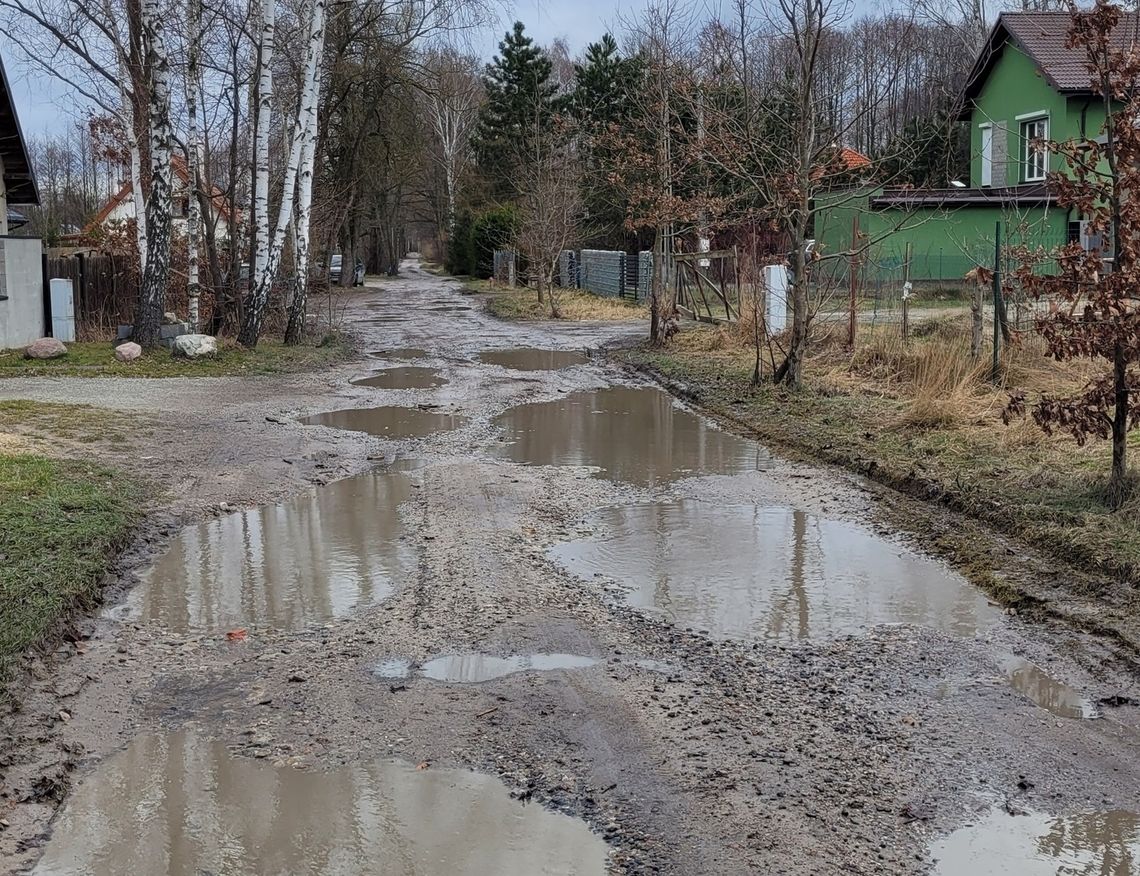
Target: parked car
{"x":335,"y":267}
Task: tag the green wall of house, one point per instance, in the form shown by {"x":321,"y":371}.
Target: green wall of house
{"x":945,"y":243}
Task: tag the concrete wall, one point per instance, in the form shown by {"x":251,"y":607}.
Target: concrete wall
{"x":21,"y":291}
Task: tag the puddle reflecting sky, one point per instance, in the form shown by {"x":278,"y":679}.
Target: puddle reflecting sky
{"x":473,"y":668}
{"x":753,"y":572}
{"x":636,"y":435}
{"x":533,"y":359}
{"x":315,"y":557}
{"x":407,"y":377}
{"x":389,"y":421}
{"x":179,"y":804}
{"x":999,"y":844}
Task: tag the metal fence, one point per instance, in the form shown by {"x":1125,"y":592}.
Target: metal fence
{"x":505,"y":266}
{"x":609,"y":273}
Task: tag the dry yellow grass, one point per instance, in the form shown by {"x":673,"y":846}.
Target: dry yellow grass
{"x":523,"y":304}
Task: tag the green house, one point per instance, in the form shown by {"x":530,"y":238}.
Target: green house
{"x":1025,"y":86}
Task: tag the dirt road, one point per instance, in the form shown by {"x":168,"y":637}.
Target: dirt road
{"x":540,"y":575}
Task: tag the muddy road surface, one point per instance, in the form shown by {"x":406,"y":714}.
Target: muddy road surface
{"x":482,"y":602}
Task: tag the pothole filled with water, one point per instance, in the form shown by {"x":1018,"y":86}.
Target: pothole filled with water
{"x":475,"y":668}
{"x":407,"y":377}
{"x":755,"y":572}
{"x":313,"y":558}
{"x":1000,"y":844}
{"x":399,"y":353}
{"x":180,"y":804}
{"x":635,"y":435}
{"x":1045,"y":691}
{"x":533,"y":359}
{"x":388,"y":421}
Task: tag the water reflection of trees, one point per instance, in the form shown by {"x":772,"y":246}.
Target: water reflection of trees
{"x":309,"y":559}
{"x":635,"y":435}
{"x":181,"y":804}
{"x":1094,"y":844}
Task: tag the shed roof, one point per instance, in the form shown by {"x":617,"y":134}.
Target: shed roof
{"x":19,"y":177}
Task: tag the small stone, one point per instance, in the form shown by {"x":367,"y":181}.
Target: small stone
{"x":194,"y":346}
{"x":169,"y":318}
{"x":297,"y":677}
{"x":45,"y":348}
{"x":128,"y":352}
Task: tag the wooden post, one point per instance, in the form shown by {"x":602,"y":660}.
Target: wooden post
{"x":853,"y":275}
{"x":997,"y":303}
{"x":906,"y":296}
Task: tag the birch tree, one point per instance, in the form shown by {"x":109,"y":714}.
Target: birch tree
{"x":152,"y":292}
{"x":268,"y":250}
{"x":193,"y":155}
{"x":453,"y":107}
{"x":259,"y":206}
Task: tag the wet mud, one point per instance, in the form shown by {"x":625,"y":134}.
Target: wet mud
{"x":399,"y":353}
{"x":180,"y":804}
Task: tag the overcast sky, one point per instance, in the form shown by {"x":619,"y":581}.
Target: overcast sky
{"x":44,"y":107}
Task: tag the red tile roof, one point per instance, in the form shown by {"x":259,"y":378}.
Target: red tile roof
{"x":178,"y":165}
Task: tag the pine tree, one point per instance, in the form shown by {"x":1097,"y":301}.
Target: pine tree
{"x":519,"y":92}
{"x":604,"y":96}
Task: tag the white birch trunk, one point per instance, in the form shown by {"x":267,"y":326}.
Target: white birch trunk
{"x":137,"y":194}
{"x":305,"y":119}
{"x":251,"y":323}
{"x":152,"y":290}
{"x":193,"y":159}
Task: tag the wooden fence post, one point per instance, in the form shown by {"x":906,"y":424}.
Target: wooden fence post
{"x":853,"y":276}
{"x":906,"y":296}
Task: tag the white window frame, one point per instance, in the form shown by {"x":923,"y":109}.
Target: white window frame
{"x":1028,"y":157}
{"x":987,"y":175}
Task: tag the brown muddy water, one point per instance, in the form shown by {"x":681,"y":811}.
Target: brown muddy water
{"x":635,"y":435}
{"x":313,"y":558}
{"x":389,"y":421}
{"x":400,"y":353}
{"x":1031,"y":844}
{"x":1045,"y":691}
{"x":406,"y":377}
{"x":180,"y":804}
{"x":755,"y":572}
{"x":533,"y":359}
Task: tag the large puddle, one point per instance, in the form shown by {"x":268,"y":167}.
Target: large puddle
{"x":310,"y":559}
{"x":389,"y":421}
{"x":533,"y":359}
{"x":999,"y":844}
{"x":180,"y":804}
{"x":754,"y":572}
{"x":406,"y":377}
{"x":636,"y":435}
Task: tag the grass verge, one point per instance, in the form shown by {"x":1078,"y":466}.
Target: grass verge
{"x":96,"y":359}
{"x":923,"y":419}
{"x":61,"y":522}
{"x":522,"y":304}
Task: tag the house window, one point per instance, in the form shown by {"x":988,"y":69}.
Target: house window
{"x":1035,"y":156}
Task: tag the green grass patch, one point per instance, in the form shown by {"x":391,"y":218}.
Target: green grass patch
{"x":61,"y":523}
{"x":96,"y":359}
